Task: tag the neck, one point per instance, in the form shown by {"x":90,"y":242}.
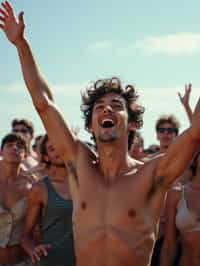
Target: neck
{"x":163,"y":149}
{"x":58,"y":173}
{"x":8,"y":171}
{"x":114,"y":159}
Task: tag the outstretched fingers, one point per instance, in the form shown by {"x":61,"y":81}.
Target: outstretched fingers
{"x":21,"y":17}
{"x":2,"y":19}
{"x":179,"y":95}
{"x":3,"y":12}
{"x":189,"y":87}
{"x":8,"y":8}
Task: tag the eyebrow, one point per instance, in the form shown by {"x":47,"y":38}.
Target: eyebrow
{"x":116,"y":100}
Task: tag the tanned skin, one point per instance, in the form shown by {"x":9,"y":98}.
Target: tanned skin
{"x":37,"y":201}
{"x":190,"y":241}
{"x":117,"y":202}
{"x":14,"y":186}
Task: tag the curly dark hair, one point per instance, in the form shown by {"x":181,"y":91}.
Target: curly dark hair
{"x":111,"y":85}
{"x":15,"y":137}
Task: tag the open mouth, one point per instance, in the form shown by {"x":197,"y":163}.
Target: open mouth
{"x":107,"y":123}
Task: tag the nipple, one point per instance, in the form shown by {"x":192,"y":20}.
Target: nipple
{"x":131,"y":213}
{"x":83,"y":205}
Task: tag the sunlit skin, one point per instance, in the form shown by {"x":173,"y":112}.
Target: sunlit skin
{"x":136,"y":149}
{"x":116,"y":201}
{"x":37,"y":202}
{"x":14,"y":186}
{"x":190,"y":240}
{"x":165,"y":138}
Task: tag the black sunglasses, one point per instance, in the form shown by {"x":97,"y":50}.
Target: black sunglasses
{"x":169,"y":130}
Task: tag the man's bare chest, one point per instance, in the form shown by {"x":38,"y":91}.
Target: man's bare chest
{"x":119,"y":202}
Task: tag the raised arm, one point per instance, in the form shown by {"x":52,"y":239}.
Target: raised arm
{"x":185,"y":100}
{"x":63,"y":139}
{"x":180,"y":152}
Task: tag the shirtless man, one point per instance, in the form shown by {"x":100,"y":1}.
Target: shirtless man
{"x":117,"y":202}
{"x":14,"y":189}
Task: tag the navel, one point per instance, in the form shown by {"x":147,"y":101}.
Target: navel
{"x":131,"y":213}
{"x":83,"y":205}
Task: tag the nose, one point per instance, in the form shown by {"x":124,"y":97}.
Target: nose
{"x":107,"y":109}
{"x":165,"y":132}
{"x":16,"y":147}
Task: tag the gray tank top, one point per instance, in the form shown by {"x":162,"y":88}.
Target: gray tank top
{"x":56,"y":229}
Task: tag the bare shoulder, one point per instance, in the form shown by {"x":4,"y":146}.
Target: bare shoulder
{"x":38,"y":191}
{"x":87,"y":151}
{"x":152,"y":163}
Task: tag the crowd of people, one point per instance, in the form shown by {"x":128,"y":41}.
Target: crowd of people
{"x":108,"y":202}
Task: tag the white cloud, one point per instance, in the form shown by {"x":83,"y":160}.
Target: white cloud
{"x":17,"y":88}
{"x":14,"y":87}
{"x":183,"y":43}
{"x":100,"y":46}
{"x":177,"y":44}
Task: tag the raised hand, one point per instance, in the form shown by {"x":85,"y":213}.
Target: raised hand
{"x":13,"y":27}
{"x":186,"y":97}
{"x":185,"y":100}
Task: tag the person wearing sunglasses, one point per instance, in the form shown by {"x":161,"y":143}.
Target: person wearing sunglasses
{"x":167,"y":128}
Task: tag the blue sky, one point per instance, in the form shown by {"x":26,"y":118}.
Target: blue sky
{"x":152,"y":44}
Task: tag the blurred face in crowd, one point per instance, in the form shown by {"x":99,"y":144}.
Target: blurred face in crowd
{"x":20,"y":128}
{"x":166,"y":133}
{"x":137,"y":146}
{"x":13,"y":152}
{"x":53,"y":156}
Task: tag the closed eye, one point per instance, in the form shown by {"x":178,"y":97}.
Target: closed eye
{"x":117,"y":106}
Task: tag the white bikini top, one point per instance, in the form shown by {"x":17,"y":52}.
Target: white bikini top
{"x":186,"y":220}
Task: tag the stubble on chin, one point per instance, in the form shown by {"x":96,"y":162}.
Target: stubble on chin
{"x":112,"y":137}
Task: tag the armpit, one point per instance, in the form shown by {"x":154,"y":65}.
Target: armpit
{"x":72,"y":170}
{"x":157,"y":184}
